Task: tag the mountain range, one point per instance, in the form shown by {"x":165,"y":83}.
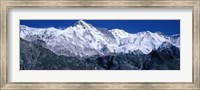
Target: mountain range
{"x":83,"y":39}
{"x":85,"y":47}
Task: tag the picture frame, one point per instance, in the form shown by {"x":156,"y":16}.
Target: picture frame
{"x":4,"y":43}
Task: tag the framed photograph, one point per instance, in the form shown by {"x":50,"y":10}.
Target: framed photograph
{"x":120,"y":44}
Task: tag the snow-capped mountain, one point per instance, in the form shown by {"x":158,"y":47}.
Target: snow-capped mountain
{"x":83,"y":39}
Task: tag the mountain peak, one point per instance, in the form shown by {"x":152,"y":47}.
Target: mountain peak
{"x":175,"y":35}
{"x":80,"y":22}
{"x":83,"y":24}
{"x":159,"y":33}
{"x":144,"y":32}
{"x":148,"y":31}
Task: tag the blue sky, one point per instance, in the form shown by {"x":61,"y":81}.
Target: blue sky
{"x":167,"y":27}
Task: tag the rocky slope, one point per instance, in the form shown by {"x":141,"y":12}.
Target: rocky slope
{"x":36,"y":57}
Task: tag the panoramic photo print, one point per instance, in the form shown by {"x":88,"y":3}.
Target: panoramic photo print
{"x":99,"y":44}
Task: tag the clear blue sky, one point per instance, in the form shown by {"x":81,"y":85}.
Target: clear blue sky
{"x":167,"y":27}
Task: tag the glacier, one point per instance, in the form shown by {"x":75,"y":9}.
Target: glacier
{"x":83,"y":39}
